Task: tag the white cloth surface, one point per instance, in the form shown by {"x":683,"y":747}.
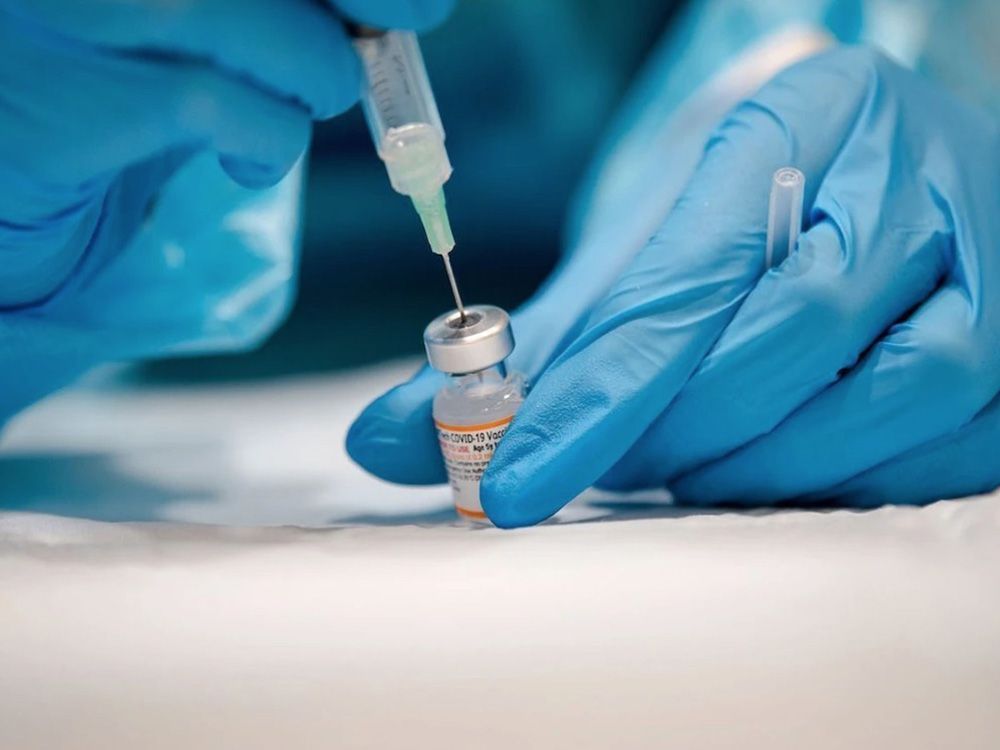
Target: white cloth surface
{"x":389,"y":625}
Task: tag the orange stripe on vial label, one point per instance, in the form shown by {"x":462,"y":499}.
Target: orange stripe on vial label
{"x":472,"y":427}
{"x":477,"y":514}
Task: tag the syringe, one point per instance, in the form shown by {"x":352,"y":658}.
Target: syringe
{"x":406,"y":128}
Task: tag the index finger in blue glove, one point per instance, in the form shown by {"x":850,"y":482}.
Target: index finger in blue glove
{"x":109,"y":112}
{"x":666,"y":311}
{"x":294,"y":49}
{"x":394,"y":437}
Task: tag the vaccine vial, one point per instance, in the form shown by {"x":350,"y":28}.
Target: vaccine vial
{"x":473,"y":411}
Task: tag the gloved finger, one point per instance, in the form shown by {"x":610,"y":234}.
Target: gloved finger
{"x":803,"y":324}
{"x":959,"y":464}
{"x":930,"y":376}
{"x":99,"y":113}
{"x":36,"y":266}
{"x":394,"y":437}
{"x":294,"y":49}
{"x":417,"y":15}
{"x":664,"y":313}
{"x":258,"y":137}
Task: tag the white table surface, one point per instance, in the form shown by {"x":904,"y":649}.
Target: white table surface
{"x":265,"y":593}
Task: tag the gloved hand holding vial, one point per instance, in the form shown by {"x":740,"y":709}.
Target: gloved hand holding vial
{"x":868,"y":353}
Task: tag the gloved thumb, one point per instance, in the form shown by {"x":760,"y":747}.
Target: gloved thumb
{"x":394,"y":437}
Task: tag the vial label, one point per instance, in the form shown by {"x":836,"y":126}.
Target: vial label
{"x":467,"y":450}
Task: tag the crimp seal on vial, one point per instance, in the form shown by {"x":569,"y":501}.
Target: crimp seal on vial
{"x":482,"y":339}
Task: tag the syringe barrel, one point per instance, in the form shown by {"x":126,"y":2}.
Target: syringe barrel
{"x":401,"y":113}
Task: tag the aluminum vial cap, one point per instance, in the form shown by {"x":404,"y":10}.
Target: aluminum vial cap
{"x":484,"y":339}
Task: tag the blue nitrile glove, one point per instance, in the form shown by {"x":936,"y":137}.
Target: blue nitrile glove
{"x":101,"y":103}
{"x":863,"y":358}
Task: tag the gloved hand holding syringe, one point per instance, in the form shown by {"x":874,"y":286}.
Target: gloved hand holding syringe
{"x":406,"y":128}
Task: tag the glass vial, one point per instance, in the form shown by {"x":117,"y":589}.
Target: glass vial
{"x":473,"y":411}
